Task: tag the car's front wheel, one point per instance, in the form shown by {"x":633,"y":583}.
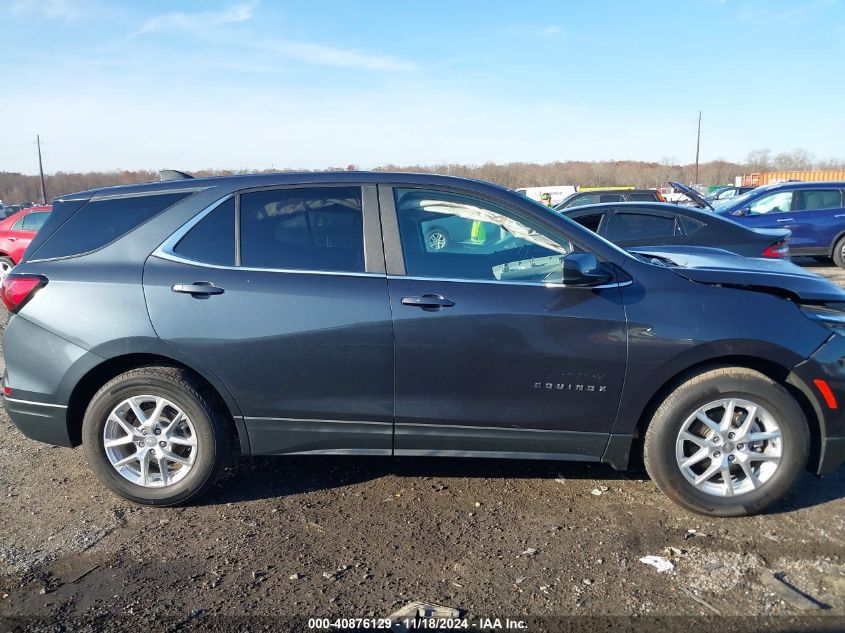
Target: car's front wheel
{"x":154,"y":436}
{"x":728,"y":442}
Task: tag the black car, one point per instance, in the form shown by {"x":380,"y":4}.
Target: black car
{"x":636,"y":224}
{"x":599,"y":196}
{"x":165,"y":326}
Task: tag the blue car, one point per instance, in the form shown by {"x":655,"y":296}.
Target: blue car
{"x":813,"y":211}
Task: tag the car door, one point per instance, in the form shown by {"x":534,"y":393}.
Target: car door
{"x":277,"y":292}
{"x":818,"y":220}
{"x":631,"y":226}
{"x":493,"y":357}
{"x":770,"y":211}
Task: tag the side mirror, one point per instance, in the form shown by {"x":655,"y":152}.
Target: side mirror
{"x":583,"y":270}
{"x":744,"y":211}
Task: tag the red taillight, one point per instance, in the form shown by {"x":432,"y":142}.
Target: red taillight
{"x":18,"y":289}
{"x":778,"y":249}
{"x":660,"y":197}
{"x":7,"y":391}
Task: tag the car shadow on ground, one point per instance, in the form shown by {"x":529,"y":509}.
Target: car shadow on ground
{"x":257,"y":478}
{"x":253,"y":479}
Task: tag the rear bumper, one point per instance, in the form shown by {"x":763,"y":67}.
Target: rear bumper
{"x":38,"y":421}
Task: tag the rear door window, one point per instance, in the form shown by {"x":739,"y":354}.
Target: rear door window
{"x":817,"y":199}
{"x":642,"y":197}
{"x":100,"y":222}
{"x":635,"y":226}
{"x":304,"y":228}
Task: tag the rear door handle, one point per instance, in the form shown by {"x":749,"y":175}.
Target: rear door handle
{"x":428,"y":301}
{"x":785,"y":220}
{"x":198,"y":289}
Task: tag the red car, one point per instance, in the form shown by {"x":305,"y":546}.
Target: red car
{"x":16,"y":232}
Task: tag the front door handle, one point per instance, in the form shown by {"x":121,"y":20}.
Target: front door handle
{"x":428,"y":301}
{"x":198,"y":289}
{"x":785,"y":220}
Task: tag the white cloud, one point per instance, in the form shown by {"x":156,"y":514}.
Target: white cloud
{"x":64,"y":9}
{"x":798,"y":11}
{"x":323,"y":55}
{"x":180,"y":21}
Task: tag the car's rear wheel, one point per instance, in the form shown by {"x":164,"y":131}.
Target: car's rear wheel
{"x":154,"y":436}
{"x":6,"y":264}
{"x":728,"y":442}
{"x":839,"y":253}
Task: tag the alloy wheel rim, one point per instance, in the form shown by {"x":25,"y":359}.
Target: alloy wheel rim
{"x":4,"y":269}
{"x":729,"y":447}
{"x":150,"y":441}
{"x":436,"y":241}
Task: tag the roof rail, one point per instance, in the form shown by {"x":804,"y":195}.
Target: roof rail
{"x":172,"y":174}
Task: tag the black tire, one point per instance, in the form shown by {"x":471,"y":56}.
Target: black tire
{"x":838,"y":254}
{"x":213,"y":432}
{"x":6,"y":263}
{"x":731,"y":382}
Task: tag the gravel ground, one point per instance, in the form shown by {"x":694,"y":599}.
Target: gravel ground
{"x":287,"y":538}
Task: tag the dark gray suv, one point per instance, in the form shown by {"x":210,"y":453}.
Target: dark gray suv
{"x":165,"y":326}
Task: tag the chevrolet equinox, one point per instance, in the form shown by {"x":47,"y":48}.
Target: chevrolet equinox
{"x":167,"y":326}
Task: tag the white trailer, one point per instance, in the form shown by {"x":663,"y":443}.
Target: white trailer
{"x":557,"y":192}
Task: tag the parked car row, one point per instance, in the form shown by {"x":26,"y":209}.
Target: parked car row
{"x":312,"y":314}
{"x":662,"y":224}
{"x":814,"y":213}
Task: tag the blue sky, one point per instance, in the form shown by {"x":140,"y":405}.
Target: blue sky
{"x":251,"y":84}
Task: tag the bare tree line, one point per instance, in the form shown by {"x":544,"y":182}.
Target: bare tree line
{"x":15,"y":188}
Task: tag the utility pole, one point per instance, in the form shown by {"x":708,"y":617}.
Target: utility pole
{"x":41,"y":171}
{"x":697,"y":147}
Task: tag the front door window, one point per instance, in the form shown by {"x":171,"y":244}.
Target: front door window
{"x":452,"y":236}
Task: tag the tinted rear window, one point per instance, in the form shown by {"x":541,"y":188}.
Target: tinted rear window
{"x":631,"y":226}
{"x":319,"y":228}
{"x":212,"y":240}
{"x":100,"y":222}
{"x":642,"y":197}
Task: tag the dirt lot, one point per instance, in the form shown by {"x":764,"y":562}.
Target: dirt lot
{"x":319,"y":537}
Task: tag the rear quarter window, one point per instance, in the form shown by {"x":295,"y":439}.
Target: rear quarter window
{"x":212,"y":240}
{"x":100,"y":222}
{"x":691,"y":225}
{"x":591,"y":221}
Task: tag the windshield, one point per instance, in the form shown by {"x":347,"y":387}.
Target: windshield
{"x":738,"y":200}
